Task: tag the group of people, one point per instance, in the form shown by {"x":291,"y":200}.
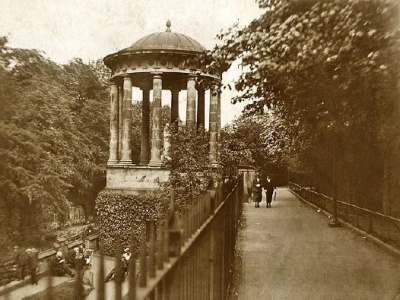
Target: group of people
{"x":27,"y":262}
{"x":74,"y":259}
{"x":269,"y":188}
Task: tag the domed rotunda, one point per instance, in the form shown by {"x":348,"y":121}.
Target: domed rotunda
{"x":158,"y":61}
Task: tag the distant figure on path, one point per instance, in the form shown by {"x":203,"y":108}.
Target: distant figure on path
{"x":257,"y":193}
{"x":269,"y":190}
{"x":20,"y":258}
{"x":33,"y":264}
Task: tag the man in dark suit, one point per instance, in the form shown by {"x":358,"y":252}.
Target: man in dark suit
{"x":269,"y":190}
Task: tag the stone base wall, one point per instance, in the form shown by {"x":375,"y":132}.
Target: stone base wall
{"x":135,"y":178}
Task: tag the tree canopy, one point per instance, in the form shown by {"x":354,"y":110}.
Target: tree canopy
{"x":328,"y":70}
{"x":54,"y":138}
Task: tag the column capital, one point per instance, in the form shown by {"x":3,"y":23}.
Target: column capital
{"x":215,"y":84}
{"x":192,"y":76}
{"x":157,"y":74}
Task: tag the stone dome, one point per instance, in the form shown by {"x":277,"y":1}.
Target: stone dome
{"x":166,"y":41}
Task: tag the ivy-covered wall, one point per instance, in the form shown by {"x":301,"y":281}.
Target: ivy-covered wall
{"x":120,"y":215}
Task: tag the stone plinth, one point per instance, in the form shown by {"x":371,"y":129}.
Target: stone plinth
{"x":134,"y":179}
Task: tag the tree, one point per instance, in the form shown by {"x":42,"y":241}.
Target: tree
{"x":328,"y":70}
{"x":189,"y":174}
{"x":54,"y":133}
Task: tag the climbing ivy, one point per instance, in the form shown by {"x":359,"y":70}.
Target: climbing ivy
{"x":122,"y":215}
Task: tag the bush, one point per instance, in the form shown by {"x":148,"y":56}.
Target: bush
{"x":121,"y":215}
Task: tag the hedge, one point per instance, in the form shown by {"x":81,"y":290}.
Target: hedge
{"x":121,"y":215}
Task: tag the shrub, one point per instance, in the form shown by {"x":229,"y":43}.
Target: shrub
{"x":121,"y":215}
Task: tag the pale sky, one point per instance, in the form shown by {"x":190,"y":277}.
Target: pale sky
{"x":92,"y":29}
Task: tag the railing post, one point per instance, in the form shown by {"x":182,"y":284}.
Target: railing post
{"x":49,"y":290}
{"x":165,"y":249}
{"x":132,"y":270}
{"x":152,"y":250}
{"x":160,"y":248}
{"x":119,"y":272}
{"x":143,"y":258}
{"x":175,"y":238}
{"x":100,"y":281}
{"x":212,"y":255}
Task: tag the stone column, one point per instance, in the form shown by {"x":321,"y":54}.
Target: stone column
{"x":167,"y":143}
{"x":219,"y":127}
{"x":120,"y":101}
{"x":191,"y":101}
{"x":126,"y":157}
{"x":114,"y":108}
{"x":213,"y":125}
{"x":145,"y":142}
{"x":200,"y":108}
{"x":174,"y":105}
{"x":155,"y":160}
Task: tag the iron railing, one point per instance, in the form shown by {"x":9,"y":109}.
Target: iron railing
{"x":189,"y":255}
{"x":384,"y":227}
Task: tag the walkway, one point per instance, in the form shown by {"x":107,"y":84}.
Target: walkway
{"x":289,"y":252}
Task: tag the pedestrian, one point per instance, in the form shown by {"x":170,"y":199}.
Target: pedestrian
{"x":269,"y":190}
{"x":257,"y":193}
{"x":124,"y":267}
{"x":59,"y":267}
{"x":127,"y":254}
{"x":21,"y":260}
{"x":16,"y":259}
{"x":79,"y":260}
{"x":33,"y":264}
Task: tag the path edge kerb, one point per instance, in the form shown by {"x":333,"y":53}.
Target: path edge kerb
{"x":377,"y":241}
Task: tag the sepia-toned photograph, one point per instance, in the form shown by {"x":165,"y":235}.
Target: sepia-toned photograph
{"x":190,"y":150}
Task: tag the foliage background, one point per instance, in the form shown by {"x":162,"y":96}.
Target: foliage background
{"x":328,"y":71}
{"x":54,"y":140}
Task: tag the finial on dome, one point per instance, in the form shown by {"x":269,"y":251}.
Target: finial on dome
{"x":168,"y":26}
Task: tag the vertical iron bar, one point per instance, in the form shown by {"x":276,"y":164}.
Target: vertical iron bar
{"x":166,"y":241}
{"x":78,"y":293}
{"x":160,"y":246}
{"x":118,"y":273}
{"x":152,"y":250}
{"x":132,"y":270}
{"x":190,"y":221}
{"x":49,"y":290}
{"x":100,"y":279}
{"x":334,"y":222}
{"x":212,"y":255}
{"x":143,"y":262}
{"x":184,"y":226}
